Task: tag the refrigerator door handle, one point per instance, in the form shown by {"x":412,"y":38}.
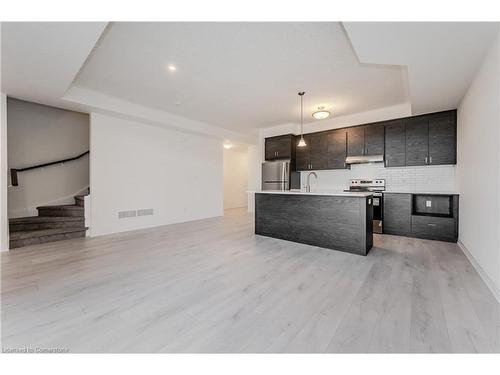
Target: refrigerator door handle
{"x":285,"y":176}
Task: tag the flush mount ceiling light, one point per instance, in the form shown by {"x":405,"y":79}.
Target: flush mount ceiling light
{"x":227,"y":146}
{"x":302,"y":142}
{"x":172,"y":68}
{"x":321,"y":114}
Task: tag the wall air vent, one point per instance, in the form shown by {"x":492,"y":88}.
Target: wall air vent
{"x":126,"y":214}
{"x":145,"y":212}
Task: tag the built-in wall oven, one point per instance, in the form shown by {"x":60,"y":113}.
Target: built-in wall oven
{"x":376,"y":187}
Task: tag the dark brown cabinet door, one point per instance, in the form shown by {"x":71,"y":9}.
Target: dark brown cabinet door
{"x":395,"y":147}
{"x":443,"y":138}
{"x":433,"y":228}
{"x":278,"y":147}
{"x":374,"y":139}
{"x":417,"y":141}
{"x":355,"y":141}
{"x":397,"y":214}
{"x":302,"y":155}
{"x":318,"y":151}
{"x":270,"y":152}
{"x":337,"y":149}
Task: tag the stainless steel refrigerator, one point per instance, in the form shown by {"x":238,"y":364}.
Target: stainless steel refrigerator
{"x":276,"y":175}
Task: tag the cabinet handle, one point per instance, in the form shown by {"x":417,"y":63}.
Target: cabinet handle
{"x":430,"y":160}
{"x":426,"y":160}
{"x":431,"y":225}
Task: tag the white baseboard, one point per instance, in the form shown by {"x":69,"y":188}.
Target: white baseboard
{"x":487,"y":280}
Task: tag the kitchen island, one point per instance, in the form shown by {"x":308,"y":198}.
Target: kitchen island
{"x":333,"y":220}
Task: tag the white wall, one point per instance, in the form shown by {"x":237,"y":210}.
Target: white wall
{"x":139,"y":166}
{"x":4,"y":226}
{"x":235,"y":177}
{"x":39,"y":134}
{"x":254,"y":174}
{"x":478,"y":169}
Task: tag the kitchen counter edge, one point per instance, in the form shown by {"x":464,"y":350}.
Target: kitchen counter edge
{"x":325,"y":193}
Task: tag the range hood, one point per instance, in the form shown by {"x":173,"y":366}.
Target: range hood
{"x":363,"y":159}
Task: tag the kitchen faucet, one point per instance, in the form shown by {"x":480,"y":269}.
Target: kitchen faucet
{"x":308,"y":186}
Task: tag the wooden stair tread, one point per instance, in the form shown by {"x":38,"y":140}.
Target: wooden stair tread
{"x":44,"y":219}
{"x":20,"y":235}
{"x":62,"y":207}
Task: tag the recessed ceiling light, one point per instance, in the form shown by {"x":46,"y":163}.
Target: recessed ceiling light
{"x":321,"y":114}
{"x":227,"y":146}
{"x":172,"y":68}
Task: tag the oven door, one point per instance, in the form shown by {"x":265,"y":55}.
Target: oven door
{"x":377,"y":212}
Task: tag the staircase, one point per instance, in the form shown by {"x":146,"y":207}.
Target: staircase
{"x":53,"y":223}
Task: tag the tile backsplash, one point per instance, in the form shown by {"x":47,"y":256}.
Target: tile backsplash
{"x":427,"y":178}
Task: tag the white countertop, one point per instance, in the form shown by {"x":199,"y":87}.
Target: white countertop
{"x":422,"y":192}
{"x":335,"y":193}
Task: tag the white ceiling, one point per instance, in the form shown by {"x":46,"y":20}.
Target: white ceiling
{"x":442,"y":57}
{"x":41,"y":59}
{"x":239,"y":76}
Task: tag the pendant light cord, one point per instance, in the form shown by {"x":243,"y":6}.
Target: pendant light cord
{"x":301,"y":94}
{"x":301,"y":115}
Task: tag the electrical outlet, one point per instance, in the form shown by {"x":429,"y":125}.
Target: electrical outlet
{"x":428,"y":203}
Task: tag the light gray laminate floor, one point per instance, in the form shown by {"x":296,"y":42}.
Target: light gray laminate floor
{"x":213,"y":286}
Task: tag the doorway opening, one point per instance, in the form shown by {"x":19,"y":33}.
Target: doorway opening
{"x":235,"y":177}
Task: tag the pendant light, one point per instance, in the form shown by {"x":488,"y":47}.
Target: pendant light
{"x":321,"y":114}
{"x":302,"y":142}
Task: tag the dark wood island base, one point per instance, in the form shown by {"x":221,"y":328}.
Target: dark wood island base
{"x":339,"y":222}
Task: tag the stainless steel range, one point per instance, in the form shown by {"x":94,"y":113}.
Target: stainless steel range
{"x":376,"y":186}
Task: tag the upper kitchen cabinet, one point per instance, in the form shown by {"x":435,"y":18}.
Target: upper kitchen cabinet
{"x":374,"y":139}
{"x":365,"y":140}
{"x":417,"y":141}
{"x":431,"y":139}
{"x":356,"y":141}
{"x":337,"y":149}
{"x":280,"y":147}
{"x":395,"y":148}
{"x":314,"y":155}
{"x":318,"y":150}
{"x":443,"y":138}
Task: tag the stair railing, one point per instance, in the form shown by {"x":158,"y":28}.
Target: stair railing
{"x":13,"y":171}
